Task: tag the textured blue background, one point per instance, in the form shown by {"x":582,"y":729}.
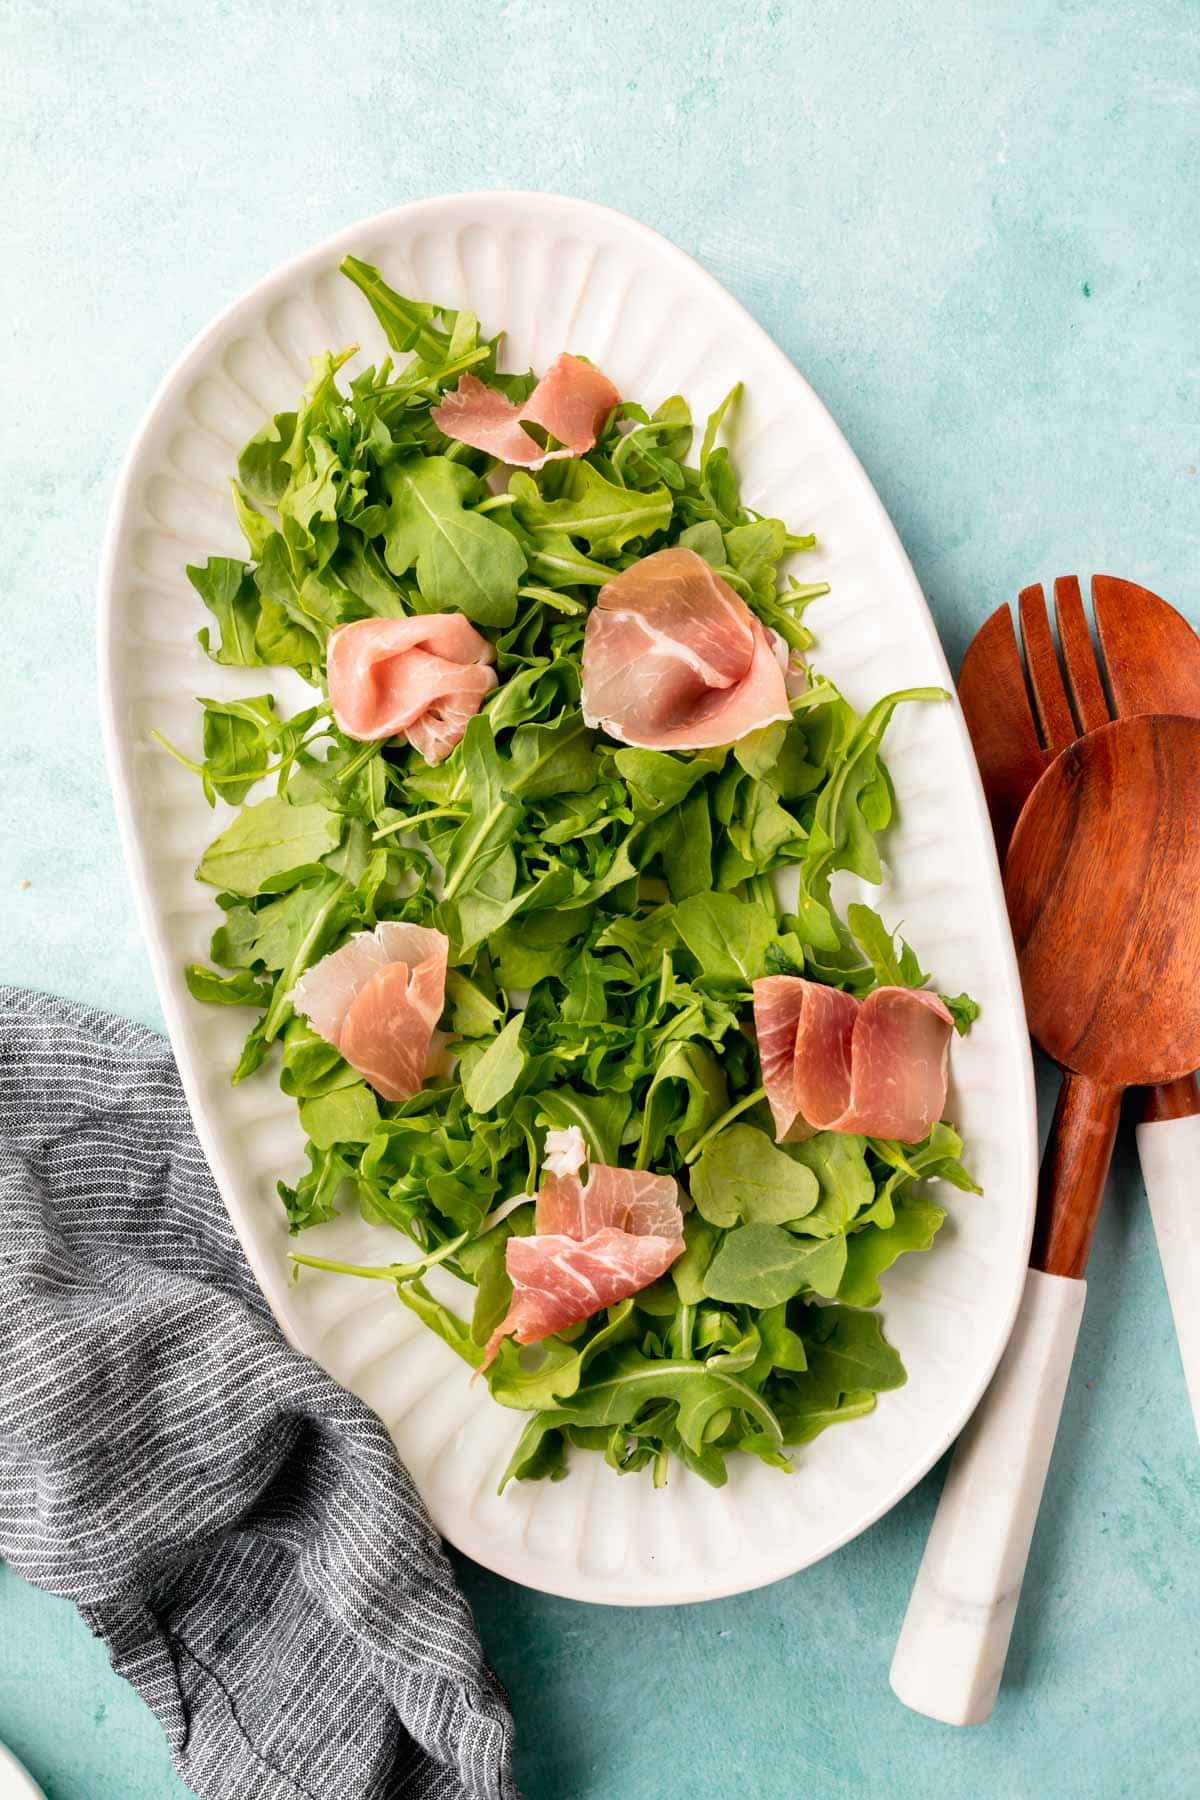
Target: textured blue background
{"x":976,"y":230}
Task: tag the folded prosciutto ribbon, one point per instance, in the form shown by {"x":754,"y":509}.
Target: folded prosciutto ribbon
{"x":673,"y":659}
{"x":591,"y":1245}
{"x":377,"y":1001}
{"x":422,"y":678}
{"x":570,"y":403}
{"x":877,"y":1066}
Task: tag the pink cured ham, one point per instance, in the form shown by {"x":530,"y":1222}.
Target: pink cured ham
{"x":377,"y":1001}
{"x":592,"y":1245}
{"x":878,"y":1066}
{"x":673,"y":659}
{"x":422,"y":678}
{"x":571,"y":402}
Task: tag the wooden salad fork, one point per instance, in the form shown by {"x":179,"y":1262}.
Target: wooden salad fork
{"x":951,"y":1651}
{"x":1149,"y":663}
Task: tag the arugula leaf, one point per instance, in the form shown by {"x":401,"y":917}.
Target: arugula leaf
{"x":464,"y":561}
{"x":242,"y":989}
{"x":810,"y":1402}
{"x":553,"y":759}
{"x":227,"y":589}
{"x":855,"y":802}
{"x":635,"y":1381}
{"x":256,"y":527}
{"x":529,"y":954}
{"x":682,"y":840}
{"x":533,"y":693}
{"x":742,"y":1175}
{"x":716,"y":419}
{"x":937,"y":1159}
{"x":600,"y":1117}
{"x":690,"y":1072}
{"x":239,"y":736}
{"x":761,"y":1265}
{"x":315,"y":1196}
{"x":760,"y":831}
{"x":782,"y":1347}
{"x":963,"y":1010}
{"x":407,"y":324}
{"x":555,"y":1375}
{"x":441,"y":1320}
{"x":728,"y":937}
{"x":263,"y":468}
{"x":604,"y":515}
{"x":268,"y":843}
{"x":849,"y":1348}
{"x":480,"y":846}
{"x":688,"y":1273}
{"x":300,"y":609}
{"x":540,"y":1453}
{"x":491,"y":1071}
{"x":870,"y":1251}
{"x":345,"y":1115}
{"x":472,"y":1013}
{"x":309,"y":1065}
{"x":659,"y":781}
{"x":839,"y":1162}
{"x":893,"y":962}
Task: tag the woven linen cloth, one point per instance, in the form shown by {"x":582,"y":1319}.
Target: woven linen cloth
{"x":234,"y":1526}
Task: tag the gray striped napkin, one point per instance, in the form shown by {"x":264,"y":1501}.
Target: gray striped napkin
{"x":235,"y":1527}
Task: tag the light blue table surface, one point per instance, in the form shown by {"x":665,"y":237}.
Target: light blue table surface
{"x":976,"y":229}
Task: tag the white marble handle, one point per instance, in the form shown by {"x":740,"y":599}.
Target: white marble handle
{"x":1170,"y":1153}
{"x":954,"y":1640}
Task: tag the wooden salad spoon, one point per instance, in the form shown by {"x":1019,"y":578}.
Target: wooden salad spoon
{"x":1102,"y":879}
{"x":1020,"y":716}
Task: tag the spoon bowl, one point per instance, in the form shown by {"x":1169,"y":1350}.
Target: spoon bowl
{"x":1102,"y":883}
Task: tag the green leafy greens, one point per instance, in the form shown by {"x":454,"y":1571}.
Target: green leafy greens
{"x":608,"y":908}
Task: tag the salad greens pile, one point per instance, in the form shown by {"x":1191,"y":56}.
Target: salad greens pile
{"x":607,"y":909}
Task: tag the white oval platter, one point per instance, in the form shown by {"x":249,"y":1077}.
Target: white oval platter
{"x":557,"y":273}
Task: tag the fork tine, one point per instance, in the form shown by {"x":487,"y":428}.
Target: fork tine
{"x":1083,"y":676}
{"x":995,"y":703}
{"x":1151,"y":654}
{"x":1045,"y":676}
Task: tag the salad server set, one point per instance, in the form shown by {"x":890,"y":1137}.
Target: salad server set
{"x":1093,"y":808}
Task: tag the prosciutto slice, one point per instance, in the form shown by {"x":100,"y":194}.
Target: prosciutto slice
{"x":421,"y":678}
{"x":571,"y":402}
{"x":673,"y":659}
{"x":592,"y":1245}
{"x":377,"y":1001}
{"x":877,"y":1066}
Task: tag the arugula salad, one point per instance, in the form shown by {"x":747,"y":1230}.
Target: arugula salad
{"x":606,"y":907}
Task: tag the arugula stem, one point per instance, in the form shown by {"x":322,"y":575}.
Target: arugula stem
{"x":739,"y":1106}
{"x":464,"y":869}
{"x":387,"y":1271}
{"x":281,"y":1003}
{"x":763,"y":890}
{"x":794,"y":635}
{"x":357,"y":762}
{"x":200,"y":770}
{"x":195,"y":767}
{"x":800,"y":593}
{"x":434,"y":812}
